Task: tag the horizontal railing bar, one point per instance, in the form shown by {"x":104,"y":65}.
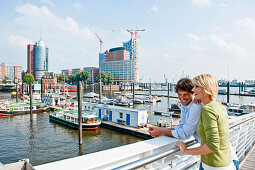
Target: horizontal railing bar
{"x":152,"y":158}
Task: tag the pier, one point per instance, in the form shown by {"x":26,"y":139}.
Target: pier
{"x":163,"y":152}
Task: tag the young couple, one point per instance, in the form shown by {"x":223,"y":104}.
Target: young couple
{"x":207,"y":122}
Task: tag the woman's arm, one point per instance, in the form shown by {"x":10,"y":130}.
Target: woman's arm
{"x":203,"y":149}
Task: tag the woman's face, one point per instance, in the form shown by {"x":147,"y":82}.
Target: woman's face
{"x":199,"y":92}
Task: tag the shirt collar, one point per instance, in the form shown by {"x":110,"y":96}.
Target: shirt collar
{"x":187,"y":107}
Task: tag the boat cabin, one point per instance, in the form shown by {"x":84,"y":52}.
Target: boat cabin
{"x":117,"y":114}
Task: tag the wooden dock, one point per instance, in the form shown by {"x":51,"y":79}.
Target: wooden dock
{"x":249,"y":161}
{"x":138,"y":132}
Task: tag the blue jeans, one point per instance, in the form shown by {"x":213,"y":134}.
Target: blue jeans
{"x":236,"y":163}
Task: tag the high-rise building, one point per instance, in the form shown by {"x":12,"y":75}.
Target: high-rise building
{"x":93,"y":71}
{"x":2,"y":72}
{"x":121,"y":63}
{"x":9,"y":72}
{"x":76,"y":70}
{"x":67,"y":72}
{"x":37,"y":59}
{"x":18,"y":72}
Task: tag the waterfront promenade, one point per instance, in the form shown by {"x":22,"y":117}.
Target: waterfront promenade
{"x":249,"y":162}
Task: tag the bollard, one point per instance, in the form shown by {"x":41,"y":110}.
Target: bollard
{"x":100,"y":91}
{"x":228,"y":92}
{"x":22,"y":88}
{"x":239,"y":85}
{"x":42,"y":90}
{"x":17,"y":95}
{"x":133,"y":91}
{"x":31,"y":98}
{"x":168,"y":90}
{"x":79,"y":95}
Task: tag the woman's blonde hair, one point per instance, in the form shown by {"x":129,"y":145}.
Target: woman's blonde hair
{"x":208,"y":83}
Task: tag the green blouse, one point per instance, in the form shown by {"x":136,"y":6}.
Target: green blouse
{"x":213,"y":128}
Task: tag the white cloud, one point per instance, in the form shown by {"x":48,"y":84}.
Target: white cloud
{"x":47,"y":2}
{"x":222,"y":4}
{"x":155,"y":9}
{"x":18,"y":40}
{"x":42,"y":17}
{"x":77,"y":5}
{"x":195,"y":47}
{"x":247,"y":26}
{"x":201,"y":2}
{"x":247,"y":23}
{"x":193,"y":37}
{"x":168,"y":56}
{"x":231,"y":47}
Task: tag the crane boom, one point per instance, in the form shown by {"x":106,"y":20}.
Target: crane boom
{"x":101,"y":42}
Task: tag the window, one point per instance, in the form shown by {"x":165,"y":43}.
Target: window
{"x":121,"y":115}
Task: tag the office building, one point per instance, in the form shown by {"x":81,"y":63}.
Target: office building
{"x":9,"y":72}
{"x":93,"y":72}
{"x":49,"y":79}
{"x":76,"y":70}
{"x":67,"y":72}
{"x":37,"y":59}
{"x":121,"y":63}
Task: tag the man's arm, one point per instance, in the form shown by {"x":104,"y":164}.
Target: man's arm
{"x":189,"y":125}
{"x":160,"y":131}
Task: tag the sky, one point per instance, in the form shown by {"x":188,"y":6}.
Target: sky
{"x":181,"y":38}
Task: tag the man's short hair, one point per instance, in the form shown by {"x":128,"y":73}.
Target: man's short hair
{"x":184,"y":84}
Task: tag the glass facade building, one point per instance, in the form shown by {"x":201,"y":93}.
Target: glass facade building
{"x":129,"y":45}
{"x":123,"y":71}
{"x":41,"y":56}
{"x":37,"y":59}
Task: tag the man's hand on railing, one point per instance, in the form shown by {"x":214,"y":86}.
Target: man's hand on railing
{"x":160,"y":131}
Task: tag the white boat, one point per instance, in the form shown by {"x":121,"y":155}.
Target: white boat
{"x":70,"y":118}
{"x":138,"y":101}
{"x":252,"y":91}
{"x":91,"y":95}
{"x":151,"y":99}
{"x":238,"y":109}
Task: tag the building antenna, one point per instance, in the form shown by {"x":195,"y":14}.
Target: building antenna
{"x":40,"y":35}
{"x":228,"y":72}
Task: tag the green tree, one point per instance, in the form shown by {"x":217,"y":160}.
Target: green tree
{"x":84,"y":76}
{"x":103,"y":77}
{"x":28,"y":78}
{"x":62,"y":78}
{"x":72,"y":79}
{"x":4,"y":81}
{"x":109,"y":78}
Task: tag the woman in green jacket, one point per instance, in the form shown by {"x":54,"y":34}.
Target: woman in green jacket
{"x":213,"y":127}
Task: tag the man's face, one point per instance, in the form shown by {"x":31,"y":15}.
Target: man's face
{"x":185,"y":97}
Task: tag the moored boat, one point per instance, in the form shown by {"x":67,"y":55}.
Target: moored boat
{"x":238,"y":109}
{"x":70,"y":118}
{"x":22,"y":108}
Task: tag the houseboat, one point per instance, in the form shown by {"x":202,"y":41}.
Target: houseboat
{"x":70,"y":118}
{"x":22,"y":108}
{"x":238,"y":109}
{"x":122,"y":115}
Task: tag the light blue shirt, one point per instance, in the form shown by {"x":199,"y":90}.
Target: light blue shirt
{"x":188,"y":124}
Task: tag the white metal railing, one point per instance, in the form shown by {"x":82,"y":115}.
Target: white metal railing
{"x":157,"y":153}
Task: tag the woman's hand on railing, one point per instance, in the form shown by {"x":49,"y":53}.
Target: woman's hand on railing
{"x":182,"y":146}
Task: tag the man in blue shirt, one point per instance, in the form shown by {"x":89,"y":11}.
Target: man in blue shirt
{"x":190,"y":113}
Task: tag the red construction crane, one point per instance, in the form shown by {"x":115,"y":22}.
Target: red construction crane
{"x":131,"y":32}
{"x":101,"y":42}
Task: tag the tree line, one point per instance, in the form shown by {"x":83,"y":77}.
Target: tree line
{"x":84,"y":76}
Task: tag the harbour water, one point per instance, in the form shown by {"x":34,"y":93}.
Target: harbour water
{"x":42,"y":141}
